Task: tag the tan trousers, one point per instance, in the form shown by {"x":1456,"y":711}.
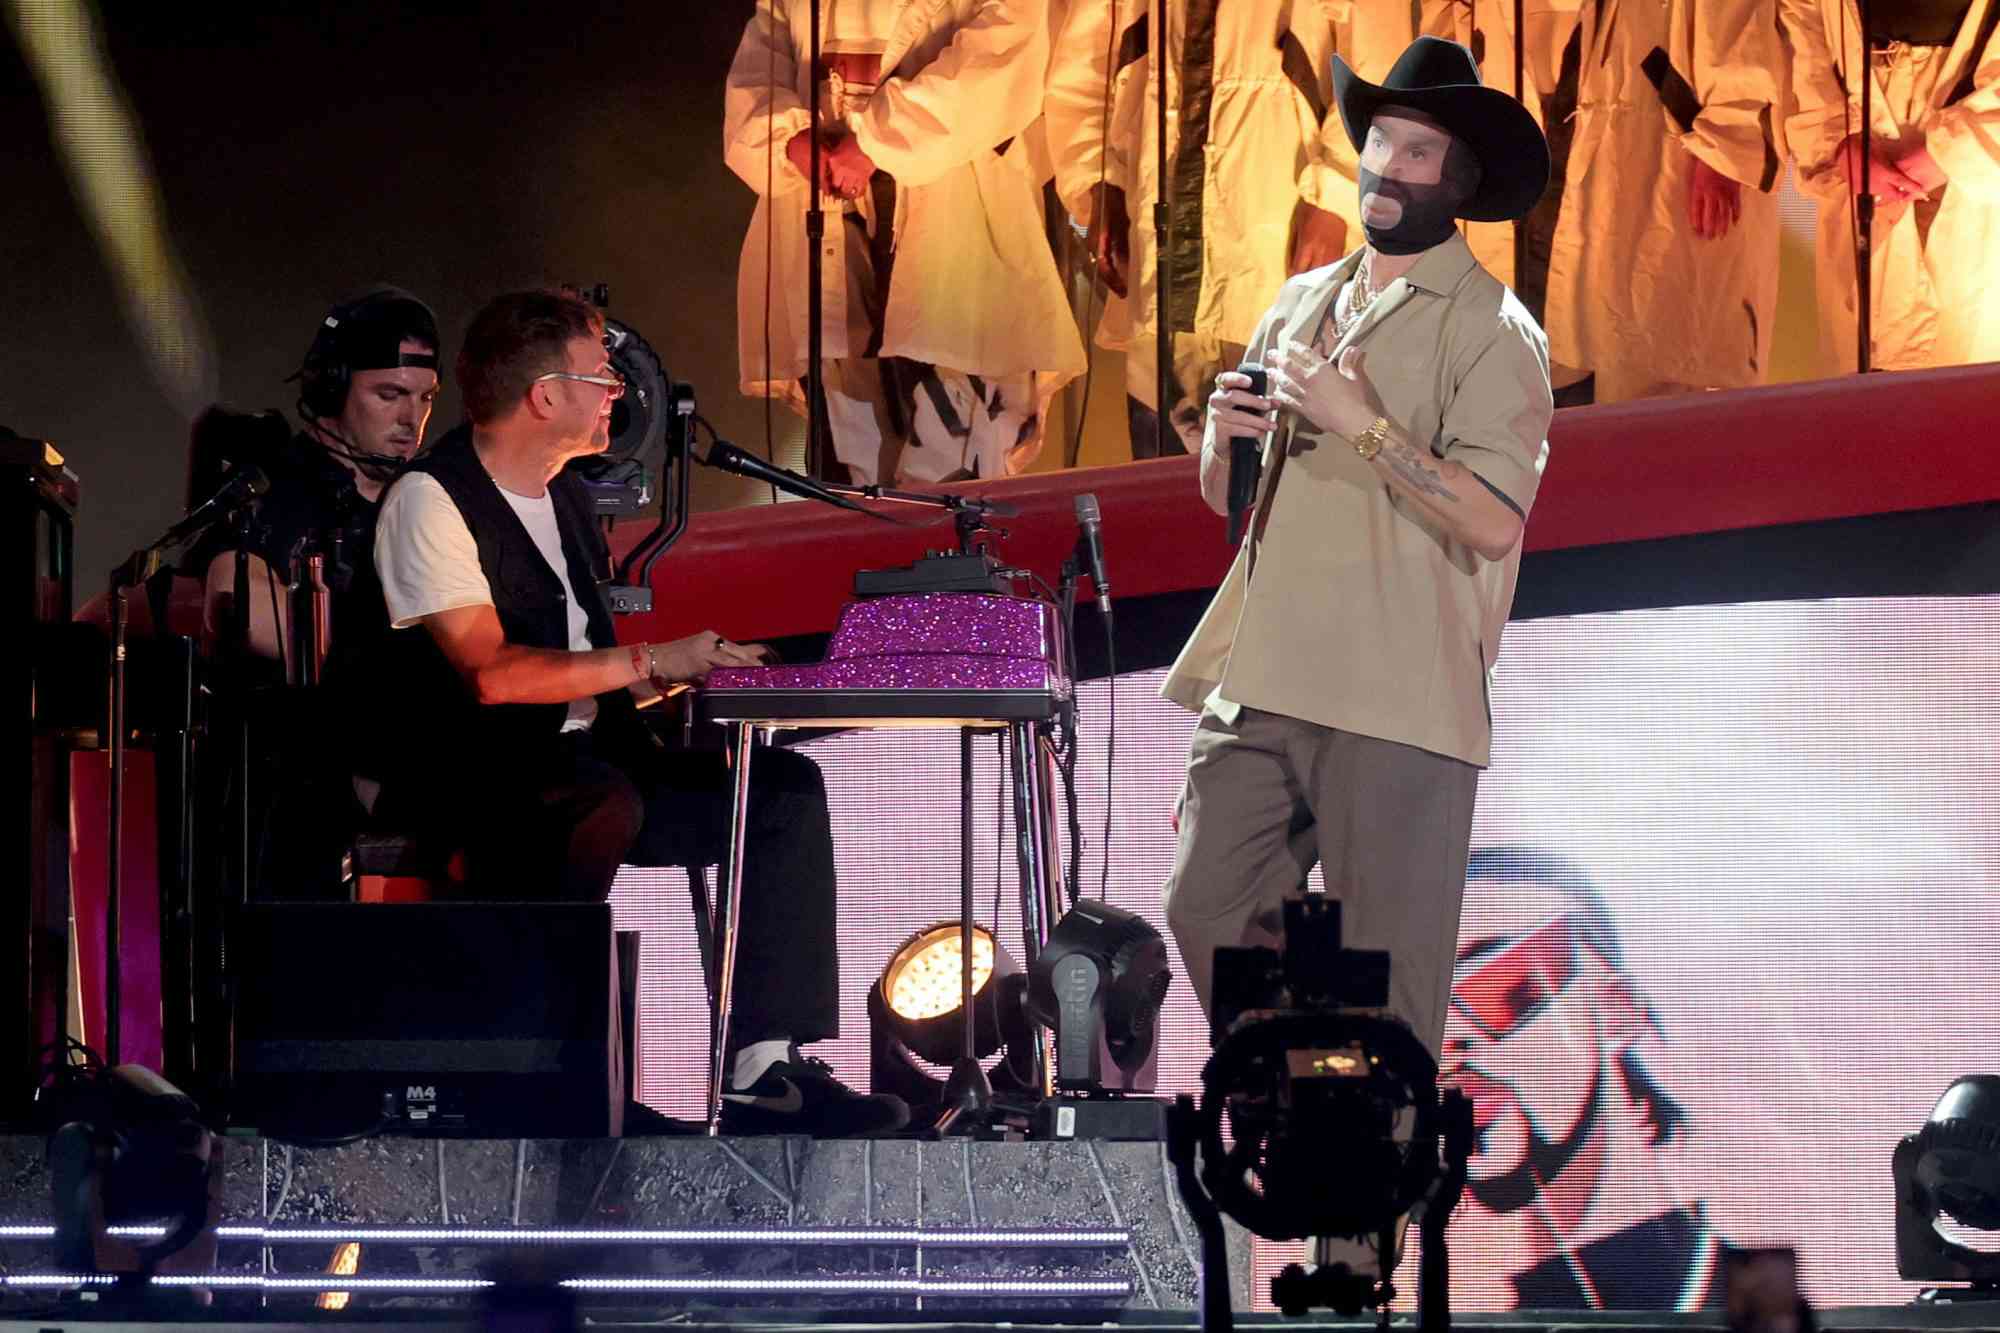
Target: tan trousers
{"x":1389,"y":824}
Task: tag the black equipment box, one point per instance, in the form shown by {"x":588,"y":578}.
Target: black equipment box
{"x":936,"y":572}
{"x":1128,"y":1119}
{"x":493,"y":1020}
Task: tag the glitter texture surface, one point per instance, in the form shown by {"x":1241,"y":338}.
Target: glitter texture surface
{"x":938,"y":640}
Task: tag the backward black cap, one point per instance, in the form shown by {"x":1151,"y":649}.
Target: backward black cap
{"x":367,"y":332}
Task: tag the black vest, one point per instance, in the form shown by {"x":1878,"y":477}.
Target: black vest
{"x":533,"y":613}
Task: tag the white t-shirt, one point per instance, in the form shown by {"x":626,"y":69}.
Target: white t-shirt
{"x":428,"y":561}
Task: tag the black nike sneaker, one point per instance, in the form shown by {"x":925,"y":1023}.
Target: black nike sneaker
{"x":800,"y":1095}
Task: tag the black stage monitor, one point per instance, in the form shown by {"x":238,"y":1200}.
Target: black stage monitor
{"x":491,"y":1020}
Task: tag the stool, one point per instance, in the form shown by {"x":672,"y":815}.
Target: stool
{"x":386,"y":866}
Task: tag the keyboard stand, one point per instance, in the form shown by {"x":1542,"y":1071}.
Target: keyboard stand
{"x":1024,"y":716}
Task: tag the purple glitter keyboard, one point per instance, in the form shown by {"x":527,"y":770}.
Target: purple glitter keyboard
{"x":927,"y":657}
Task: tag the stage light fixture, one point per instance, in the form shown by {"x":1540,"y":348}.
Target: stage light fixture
{"x":134,"y":1153}
{"x":915,"y":1016}
{"x":924,"y":981}
{"x":1098,"y":984}
{"x":1951,"y":1168}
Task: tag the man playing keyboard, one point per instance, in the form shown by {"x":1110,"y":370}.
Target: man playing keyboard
{"x":491,"y":563}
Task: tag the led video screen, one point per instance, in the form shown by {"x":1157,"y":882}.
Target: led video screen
{"x":1732,"y":927}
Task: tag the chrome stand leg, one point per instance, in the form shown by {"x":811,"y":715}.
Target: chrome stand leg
{"x":1023,"y":762}
{"x":728,"y":910}
{"x":968,"y":1093}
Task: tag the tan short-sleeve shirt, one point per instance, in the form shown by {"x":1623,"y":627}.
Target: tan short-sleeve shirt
{"x":1362,"y":613}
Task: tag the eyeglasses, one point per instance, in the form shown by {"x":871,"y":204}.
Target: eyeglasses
{"x":1502,"y":991}
{"x":611,"y":383}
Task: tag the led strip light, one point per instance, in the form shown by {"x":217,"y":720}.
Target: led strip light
{"x":940,"y":1239}
{"x":913,"y":1286}
{"x":882,"y":1286}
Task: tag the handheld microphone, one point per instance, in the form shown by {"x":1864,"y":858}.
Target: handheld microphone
{"x":1092,"y":541}
{"x":245,"y":484}
{"x":1246,"y":460}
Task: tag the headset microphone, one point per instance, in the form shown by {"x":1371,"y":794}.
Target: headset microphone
{"x":388,"y":462}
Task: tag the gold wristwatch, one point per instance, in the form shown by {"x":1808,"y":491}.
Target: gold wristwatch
{"x":1369,"y":442}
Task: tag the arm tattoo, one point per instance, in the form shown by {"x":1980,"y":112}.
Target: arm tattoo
{"x":1416,"y":472}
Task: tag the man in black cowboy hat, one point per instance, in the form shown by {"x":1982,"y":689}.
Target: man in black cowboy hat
{"x":1340,"y":673}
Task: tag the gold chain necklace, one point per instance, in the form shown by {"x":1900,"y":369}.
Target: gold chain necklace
{"x":1356,"y":297}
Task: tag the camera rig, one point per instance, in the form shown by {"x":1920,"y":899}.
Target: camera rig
{"x":1320,"y":1116}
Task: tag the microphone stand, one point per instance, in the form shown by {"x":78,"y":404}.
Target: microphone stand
{"x":970,"y":514}
{"x":1163,"y":338}
{"x":1864,"y":208}
{"x":239,"y":655}
{"x":1521,"y":96}
{"x":140,"y":566}
{"x":815,"y":268}
{"x":133,"y":572}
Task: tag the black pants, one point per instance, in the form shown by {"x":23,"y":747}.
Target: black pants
{"x":559,"y":823}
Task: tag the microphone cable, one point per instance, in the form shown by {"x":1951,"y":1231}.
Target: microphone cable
{"x":1110,"y":754}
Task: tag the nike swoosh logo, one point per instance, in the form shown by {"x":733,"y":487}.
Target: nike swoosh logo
{"x":791,"y":1103}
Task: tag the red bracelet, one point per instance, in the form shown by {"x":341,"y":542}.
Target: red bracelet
{"x":639,"y":661}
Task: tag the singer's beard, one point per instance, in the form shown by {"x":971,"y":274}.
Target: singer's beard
{"x":1427,"y":213}
{"x":1515,"y":1189}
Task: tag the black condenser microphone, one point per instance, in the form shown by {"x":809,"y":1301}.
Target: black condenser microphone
{"x":1246,"y":460}
{"x":242,"y":486}
{"x":727,"y":457}
{"x":1092,"y":541}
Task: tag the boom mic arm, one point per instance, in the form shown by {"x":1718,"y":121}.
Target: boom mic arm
{"x":726,"y":457}
{"x":243,"y":486}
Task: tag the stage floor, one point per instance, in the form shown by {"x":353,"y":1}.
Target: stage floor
{"x":935,"y":1237}
{"x":729,"y":1204}
{"x":1875,"y":1319}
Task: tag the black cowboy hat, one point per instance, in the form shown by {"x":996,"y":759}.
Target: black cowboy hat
{"x":1441,"y":79}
